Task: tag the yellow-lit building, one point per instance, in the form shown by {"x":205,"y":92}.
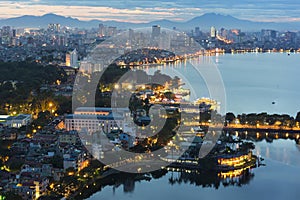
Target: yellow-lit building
{"x":235,"y":161}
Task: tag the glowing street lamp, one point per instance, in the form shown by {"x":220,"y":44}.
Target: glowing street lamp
{"x":117,"y":86}
{"x":130,"y":86}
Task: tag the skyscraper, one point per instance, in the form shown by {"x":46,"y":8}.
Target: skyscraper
{"x":101,"y":30}
{"x":111,"y":31}
{"x":197,"y":31}
{"x":213,"y":32}
{"x":155,"y":31}
{"x":72,"y":59}
{"x":54,"y":27}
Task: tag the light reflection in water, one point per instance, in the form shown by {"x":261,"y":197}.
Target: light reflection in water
{"x":275,"y":146}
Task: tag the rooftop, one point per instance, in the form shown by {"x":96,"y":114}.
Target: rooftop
{"x":100,"y":109}
{"x":111,"y":116}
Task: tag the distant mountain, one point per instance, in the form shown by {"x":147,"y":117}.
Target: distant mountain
{"x":43,"y":21}
{"x":204,"y":22}
{"x":227,"y":21}
{"x":39,"y":21}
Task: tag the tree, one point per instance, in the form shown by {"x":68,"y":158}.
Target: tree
{"x":176,"y":82}
{"x":205,"y":116}
{"x":43,"y":119}
{"x":10,"y":195}
{"x":57,"y":161}
{"x":298,"y":117}
{"x":242,"y":118}
{"x":229,"y":117}
{"x":15,"y":164}
{"x":169,"y":95}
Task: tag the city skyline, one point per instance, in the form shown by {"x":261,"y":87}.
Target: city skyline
{"x":191,"y":99}
{"x":145,"y":11}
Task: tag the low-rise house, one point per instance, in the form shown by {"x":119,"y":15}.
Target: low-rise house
{"x":126,"y":140}
{"x":45,"y":140}
{"x":68,"y":137}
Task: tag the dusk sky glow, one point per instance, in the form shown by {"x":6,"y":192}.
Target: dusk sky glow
{"x":145,"y":11}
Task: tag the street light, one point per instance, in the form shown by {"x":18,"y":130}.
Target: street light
{"x":117,"y":86}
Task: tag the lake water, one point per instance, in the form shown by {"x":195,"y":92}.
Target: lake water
{"x":252,"y":82}
{"x":278,"y":180}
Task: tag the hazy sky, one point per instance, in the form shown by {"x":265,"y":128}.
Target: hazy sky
{"x":144,"y":11}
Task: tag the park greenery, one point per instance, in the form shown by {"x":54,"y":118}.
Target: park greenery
{"x":20,"y":85}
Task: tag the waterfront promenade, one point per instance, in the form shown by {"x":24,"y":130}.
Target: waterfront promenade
{"x":246,"y":127}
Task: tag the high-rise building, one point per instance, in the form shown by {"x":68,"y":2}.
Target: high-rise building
{"x":290,"y":36}
{"x":14,"y":33}
{"x":53,"y":27}
{"x":62,"y":40}
{"x":72,"y":59}
{"x":101,"y":30}
{"x":6,"y":31}
{"x":6,"y":35}
{"x":197,"y":32}
{"x":111,"y":31}
{"x":165,"y":41}
{"x":213,"y":32}
{"x":268,"y":35}
{"x":155,"y":31}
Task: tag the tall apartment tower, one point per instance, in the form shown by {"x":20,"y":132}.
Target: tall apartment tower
{"x":54,"y":27}
{"x":213,"y":32}
{"x":155,"y":31}
{"x":72,"y":59}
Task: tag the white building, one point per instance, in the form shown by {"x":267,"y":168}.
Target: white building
{"x":101,"y":111}
{"x":3,"y":119}
{"x":93,"y":119}
{"x":213,"y":32}
{"x":18,"y":121}
{"x":88,"y":65}
{"x":97,"y":151}
{"x":94,"y":123}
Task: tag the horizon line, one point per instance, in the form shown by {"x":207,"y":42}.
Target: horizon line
{"x":141,"y":22}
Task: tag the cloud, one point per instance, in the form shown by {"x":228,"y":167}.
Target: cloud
{"x":148,"y":10}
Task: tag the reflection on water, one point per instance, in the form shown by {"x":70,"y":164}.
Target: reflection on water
{"x":276,"y":180}
{"x":205,"y":179}
{"x":280,"y":147}
{"x":212,"y":179}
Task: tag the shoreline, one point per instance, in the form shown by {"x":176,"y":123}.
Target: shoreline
{"x":210,"y":53}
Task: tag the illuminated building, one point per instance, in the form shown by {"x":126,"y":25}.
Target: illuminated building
{"x":72,"y":59}
{"x":93,"y":119}
{"x":233,"y":160}
{"x":101,"y":30}
{"x":18,"y":121}
{"x":213,"y":104}
{"x":213,"y":32}
{"x":78,"y":161}
{"x":101,"y":111}
{"x":92,"y":123}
